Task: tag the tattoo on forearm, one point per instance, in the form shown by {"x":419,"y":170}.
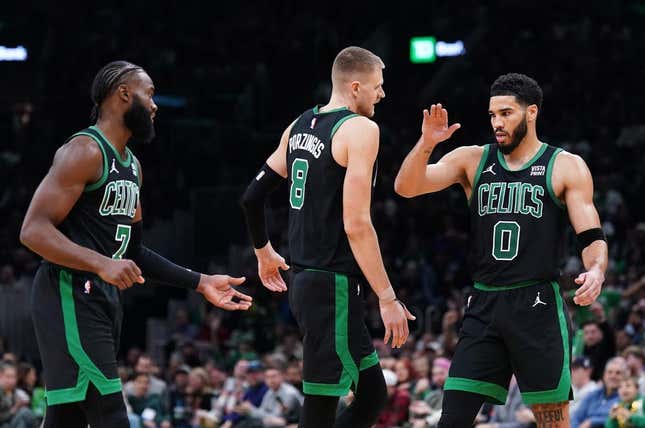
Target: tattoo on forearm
{"x":549,"y":418}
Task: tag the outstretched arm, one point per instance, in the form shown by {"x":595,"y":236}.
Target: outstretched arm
{"x":577,"y":185}
{"x":253,"y":202}
{"x":217,"y":289}
{"x":416,"y":177}
{"x":361,"y":136}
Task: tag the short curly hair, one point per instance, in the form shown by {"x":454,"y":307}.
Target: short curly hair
{"x":525,"y":89}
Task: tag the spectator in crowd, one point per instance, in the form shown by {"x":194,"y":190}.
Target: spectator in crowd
{"x":594,"y":409}
{"x":280,"y":405}
{"x":599,"y":340}
{"x":628,"y":412}
{"x":293,"y":375}
{"x":180,"y":413}
{"x":635,"y":361}
{"x":396,"y":409}
{"x":145,"y":365}
{"x":405,"y":374}
{"x":581,"y":382}
{"x":27,"y":378}
{"x":14,"y":402}
{"x":147,"y":405}
{"x":426,"y":413}
{"x":199,"y":395}
{"x":231,"y":396}
{"x":253,"y":394}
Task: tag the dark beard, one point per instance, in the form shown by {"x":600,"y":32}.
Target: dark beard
{"x":518,"y":135}
{"x":137,"y":119}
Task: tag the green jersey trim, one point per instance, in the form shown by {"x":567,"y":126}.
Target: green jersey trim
{"x":487,"y":287}
{"x":502,"y":161}
{"x":549,"y":183}
{"x":104,"y":174}
{"x":496,"y":394}
{"x":340,"y":122}
{"x":562,"y":391}
{"x":87,"y":370}
{"x":127,"y":160}
{"x":334,"y":110}
{"x":369,"y":361}
{"x":480,"y":167}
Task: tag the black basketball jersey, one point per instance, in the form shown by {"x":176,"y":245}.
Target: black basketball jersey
{"x":517,"y":222}
{"x":101,"y":218}
{"x":317,"y":238}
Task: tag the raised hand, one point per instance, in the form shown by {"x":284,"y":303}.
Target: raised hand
{"x":395,"y":319}
{"x":218,"y":290}
{"x":435,"y":127}
{"x":269,"y":265}
{"x":121,"y":273}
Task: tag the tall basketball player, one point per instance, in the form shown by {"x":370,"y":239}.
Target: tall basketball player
{"x":328,"y":156}
{"x":85,"y":221}
{"x":520,"y":191}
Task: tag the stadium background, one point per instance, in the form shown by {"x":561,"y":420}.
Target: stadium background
{"x":230,"y":77}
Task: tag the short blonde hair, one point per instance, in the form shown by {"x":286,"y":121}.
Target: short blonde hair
{"x":353,"y":60}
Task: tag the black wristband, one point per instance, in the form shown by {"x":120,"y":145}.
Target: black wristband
{"x":253,"y":201}
{"x":156,"y":266}
{"x":584,"y":239}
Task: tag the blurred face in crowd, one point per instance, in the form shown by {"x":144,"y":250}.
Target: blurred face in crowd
{"x":402,"y":372}
{"x":181,"y":380}
{"x":614,"y":373}
{"x":421,"y":366}
{"x":592,"y":335}
{"x":628,"y":390}
{"x":30,"y":378}
{"x":8,"y":378}
{"x":509,"y":120}
{"x":273,"y":379}
{"x":144,"y":365}
{"x":635,"y":364}
{"x":240,"y":369}
{"x":368,"y":91}
{"x":196,"y":380}
{"x":580,"y":376}
{"x":217,"y":377}
{"x":141,"y":385}
{"x":255,"y":377}
{"x":439,"y":375}
{"x":293,"y":375}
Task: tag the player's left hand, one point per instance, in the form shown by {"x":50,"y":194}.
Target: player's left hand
{"x":590,"y":283}
{"x":218,"y":290}
{"x":269,"y":265}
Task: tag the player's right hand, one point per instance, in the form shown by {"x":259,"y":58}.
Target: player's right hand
{"x":395,"y":319}
{"x":122,"y":273}
{"x":435,"y":127}
{"x":269,"y":265}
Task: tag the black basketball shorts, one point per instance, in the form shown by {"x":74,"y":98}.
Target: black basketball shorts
{"x":77,"y":319}
{"x":521,"y":330}
{"x":329,"y":309}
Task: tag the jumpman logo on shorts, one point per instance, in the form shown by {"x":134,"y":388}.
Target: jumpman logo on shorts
{"x":490,"y":169}
{"x":538,"y":301}
{"x":113,"y":168}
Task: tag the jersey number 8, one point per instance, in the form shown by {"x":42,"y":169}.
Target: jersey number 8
{"x":299,"y":169}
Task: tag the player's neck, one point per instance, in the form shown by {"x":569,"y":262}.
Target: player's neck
{"x":114,"y":130}
{"x":336,"y":101}
{"x":524,"y":152}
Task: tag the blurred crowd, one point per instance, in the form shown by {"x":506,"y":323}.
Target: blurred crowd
{"x":222,"y":107}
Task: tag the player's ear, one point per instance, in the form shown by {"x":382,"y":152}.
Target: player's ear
{"x":355,"y":86}
{"x":123,"y":92}
{"x":531,"y":113}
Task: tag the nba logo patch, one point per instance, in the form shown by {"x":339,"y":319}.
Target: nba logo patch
{"x":88,"y":287}
{"x":313,"y":123}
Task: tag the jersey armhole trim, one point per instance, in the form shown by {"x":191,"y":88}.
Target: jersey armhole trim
{"x":549,"y":184}
{"x":480,"y":167}
{"x":104,"y":174}
{"x":340,"y":122}
{"x":137,"y":166}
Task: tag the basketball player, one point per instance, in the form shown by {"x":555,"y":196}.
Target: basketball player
{"x":519,"y":191}
{"x":85,"y":221}
{"x":328,"y":156}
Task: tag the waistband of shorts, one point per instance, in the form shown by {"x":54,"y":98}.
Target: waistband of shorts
{"x":75,"y":272}
{"x":489,"y":287}
{"x":299,"y":269}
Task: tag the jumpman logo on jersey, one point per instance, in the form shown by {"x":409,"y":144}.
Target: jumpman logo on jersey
{"x":538,"y":301}
{"x":489,"y":169}
{"x":113,"y":168}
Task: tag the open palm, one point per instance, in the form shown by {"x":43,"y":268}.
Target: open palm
{"x":435,"y":127}
{"x":218,"y":290}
